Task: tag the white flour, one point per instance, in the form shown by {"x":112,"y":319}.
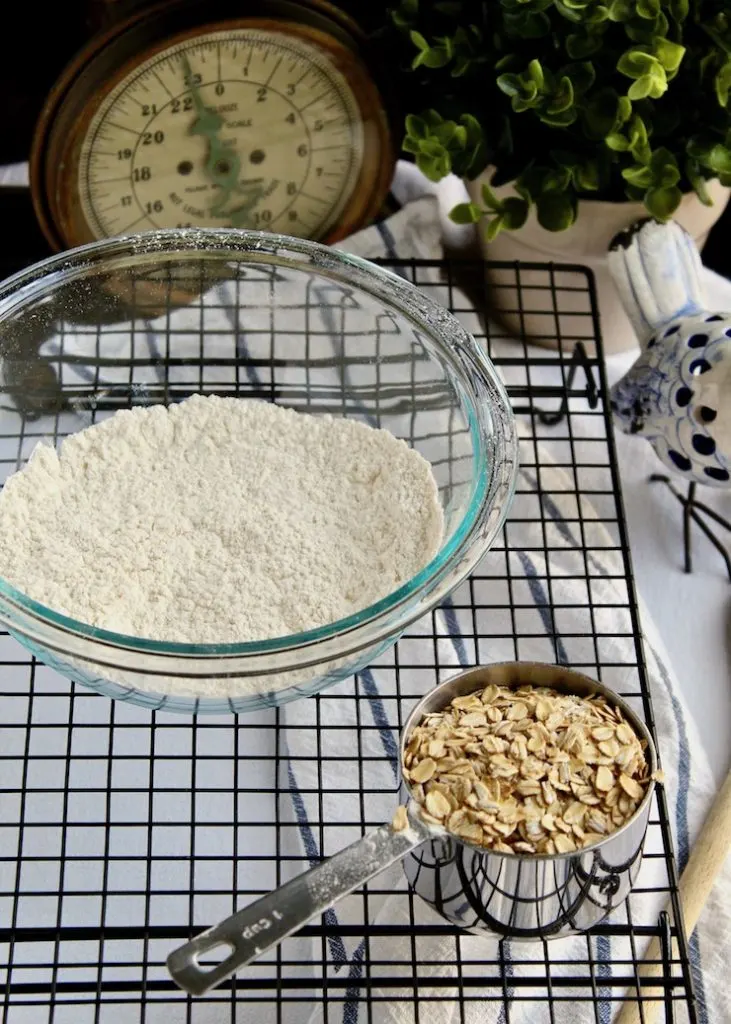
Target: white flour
{"x":218,"y":521}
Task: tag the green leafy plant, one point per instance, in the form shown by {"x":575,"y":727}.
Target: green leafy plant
{"x":568,"y":99}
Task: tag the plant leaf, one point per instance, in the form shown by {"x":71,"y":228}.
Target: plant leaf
{"x":620,"y":10}
{"x":722,"y":83}
{"x":494,"y":228}
{"x":535,"y":73}
{"x":556,"y":211}
{"x":640,"y":89}
{"x":416,"y":126}
{"x":694,"y":176}
{"x":636,"y":63}
{"x":664,"y":168}
{"x":580,"y":45}
{"x":617,"y":142}
{"x":624,"y":111}
{"x":434,"y":167}
{"x":515,"y":213}
{"x":669,"y":54}
{"x":557,"y":180}
{"x":509,"y":84}
{"x":466,"y":213}
{"x":638,"y":144}
{"x":581,"y":75}
{"x":586,"y":176}
{"x":648,"y":8}
{"x":530,"y":184}
{"x":433,"y":118}
{"x":719,"y":159}
{"x":638,"y":175}
{"x":601,"y":113}
{"x":679,"y":9}
{"x":562,"y":120}
{"x":489,"y":198}
{"x":435,"y":57}
{"x":418,"y":40}
{"x":663,"y":202}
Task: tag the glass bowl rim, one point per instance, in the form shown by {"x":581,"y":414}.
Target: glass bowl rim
{"x":409,"y":301}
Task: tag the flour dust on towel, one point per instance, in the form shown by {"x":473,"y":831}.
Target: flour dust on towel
{"x":218,"y":520}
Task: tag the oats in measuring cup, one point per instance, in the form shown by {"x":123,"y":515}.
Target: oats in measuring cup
{"x":528,"y":770}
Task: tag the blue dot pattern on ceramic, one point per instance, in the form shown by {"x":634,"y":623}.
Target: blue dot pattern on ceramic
{"x":676,"y":393}
{"x":679,"y":460}
{"x":666,"y":397}
{"x":703,"y":444}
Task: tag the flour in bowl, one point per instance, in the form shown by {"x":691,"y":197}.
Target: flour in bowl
{"x":218,"y":520}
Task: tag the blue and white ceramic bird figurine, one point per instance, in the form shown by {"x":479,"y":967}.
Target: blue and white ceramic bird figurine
{"x":678,"y":392}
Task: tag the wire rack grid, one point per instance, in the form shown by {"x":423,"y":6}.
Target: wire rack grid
{"x":125,"y":831}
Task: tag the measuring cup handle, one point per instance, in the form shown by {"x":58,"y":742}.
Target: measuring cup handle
{"x":263,"y":924}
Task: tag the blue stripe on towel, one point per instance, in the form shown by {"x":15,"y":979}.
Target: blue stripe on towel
{"x":540,"y":597}
{"x":352,"y":992}
{"x":338,"y":342}
{"x":337,"y":946}
{"x":681,"y":826}
{"x":507,"y":962}
{"x":229,"y":304}
{"x":455,"y":634}
{"x":604,"y":970}
{"x":380,"y":719}
{"x":553,"y":510}
{"x":154,"y":348}
{"x":390,"y":243}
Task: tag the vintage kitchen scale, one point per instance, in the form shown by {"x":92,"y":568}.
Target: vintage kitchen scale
{"x":230,"y":113}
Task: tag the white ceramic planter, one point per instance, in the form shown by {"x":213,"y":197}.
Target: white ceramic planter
{"x":586,"y":243}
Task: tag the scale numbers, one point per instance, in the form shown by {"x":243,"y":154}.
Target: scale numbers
{"x":242,"y":128}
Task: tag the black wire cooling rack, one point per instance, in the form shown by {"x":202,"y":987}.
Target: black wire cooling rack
{"x":123,"y":831}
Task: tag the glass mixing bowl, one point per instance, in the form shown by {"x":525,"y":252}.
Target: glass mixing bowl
{"x":157,"y":317}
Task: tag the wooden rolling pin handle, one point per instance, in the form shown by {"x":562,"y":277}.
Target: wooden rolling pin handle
{"x":704,"y":864}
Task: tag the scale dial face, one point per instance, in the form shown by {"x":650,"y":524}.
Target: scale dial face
{"x":257,"y":124}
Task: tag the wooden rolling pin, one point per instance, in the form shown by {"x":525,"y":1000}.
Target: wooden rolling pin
{"x":704,"y":864}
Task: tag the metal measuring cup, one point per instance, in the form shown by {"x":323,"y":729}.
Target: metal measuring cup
{"x":524,"y":896}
